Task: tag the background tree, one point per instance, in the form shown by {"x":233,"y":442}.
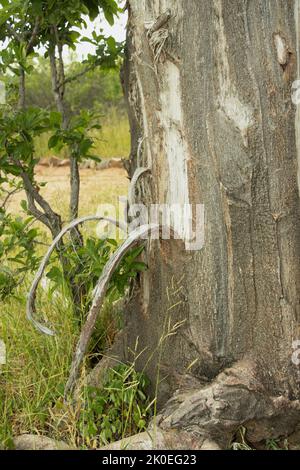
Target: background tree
{"x":209,"y":85}
{"x":98,"y":90}
{"x":26,"y":27}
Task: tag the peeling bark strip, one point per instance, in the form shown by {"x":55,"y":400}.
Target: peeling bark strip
{"x":221,"y":130}
{"x":137,"y":237}
{"x":133,"y":184}
{"x":174,"y":140}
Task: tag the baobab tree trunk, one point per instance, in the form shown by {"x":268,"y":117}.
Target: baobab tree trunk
{"x":209,"y":85}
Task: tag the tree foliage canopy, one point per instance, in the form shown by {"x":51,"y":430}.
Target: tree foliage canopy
{"x":28,"y":29}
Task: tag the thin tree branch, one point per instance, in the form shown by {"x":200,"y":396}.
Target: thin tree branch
{"x":75,"y":188}
{"x":55,"y":81}
{"x":35,"y":211}
{"x":79,"y":74}
{"x":8,"y":195}
{"x":21,"y":102}
{"x":34,"y":34}
{"x":59,"y":89}
{"x":49,"y":217}
{"x":61,"y":68}
{"x":36,"y":195}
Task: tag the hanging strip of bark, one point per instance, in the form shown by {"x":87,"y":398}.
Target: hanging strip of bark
{"x":30,"y":307}
{"x":137,"y":237}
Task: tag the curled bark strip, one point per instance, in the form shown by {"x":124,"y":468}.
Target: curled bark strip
{"x":137,"y":175}
{"x":30,"y":306}
{"x":157,"y":43}
{"x":136,"y":237}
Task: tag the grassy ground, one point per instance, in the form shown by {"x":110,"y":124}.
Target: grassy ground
{"x":32,"y":381}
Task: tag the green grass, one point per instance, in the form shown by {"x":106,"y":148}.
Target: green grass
{"x":37,"y":367}
{"x":112,"y":140}
{"x":33,"y":380}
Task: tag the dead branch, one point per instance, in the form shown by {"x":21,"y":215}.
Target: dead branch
{"x":8,"y":195}
{"x":30,"y":307}
{"x":137,"y":237}
{"x":79,"y":74}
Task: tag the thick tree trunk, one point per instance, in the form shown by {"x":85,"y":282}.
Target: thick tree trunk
{"x":209,"y":85}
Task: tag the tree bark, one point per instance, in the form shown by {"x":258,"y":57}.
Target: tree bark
{"x":208,"y":85}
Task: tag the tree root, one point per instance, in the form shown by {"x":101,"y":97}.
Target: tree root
{"x":209,"y":416}
{"x":162,"y":440}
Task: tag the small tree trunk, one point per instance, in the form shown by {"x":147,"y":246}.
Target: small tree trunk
{"x":58,"y":87}
{"x":21,"y":103}
{"x":209,"y":94}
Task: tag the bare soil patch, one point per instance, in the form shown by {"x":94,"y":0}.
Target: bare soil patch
{"x":97,"y":187}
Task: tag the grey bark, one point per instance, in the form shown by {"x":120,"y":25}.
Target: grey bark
{"x":58,"y":85}
{"x":217,"y":78}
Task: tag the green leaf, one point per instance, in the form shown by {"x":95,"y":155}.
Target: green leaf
{"x":56,"y":275}
{"x":109,"y":17}
{"x":139,"y":266}
{"x":24,"y":205}
{"x":53,"y":141}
